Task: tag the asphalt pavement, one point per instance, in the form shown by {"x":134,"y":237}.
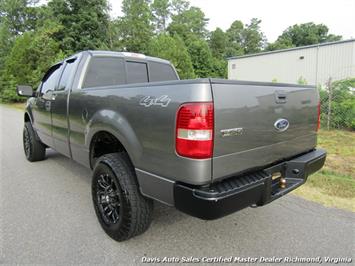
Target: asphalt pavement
{"x":47,"y":217}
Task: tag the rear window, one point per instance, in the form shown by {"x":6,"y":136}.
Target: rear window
{"x":104,"y":71}
{"x":161,"y":72}
{"x":136,"y":72}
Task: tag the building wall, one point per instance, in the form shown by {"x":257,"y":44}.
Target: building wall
{"x":336,"y":62}
{"x":314,"y":64}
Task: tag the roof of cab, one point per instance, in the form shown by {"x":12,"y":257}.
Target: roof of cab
{"x":127,"y":55}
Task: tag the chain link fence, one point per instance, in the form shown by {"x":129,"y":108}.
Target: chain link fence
{"x":337,"y":99}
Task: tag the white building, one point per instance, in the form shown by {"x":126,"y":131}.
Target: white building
{"x":315,"y":64}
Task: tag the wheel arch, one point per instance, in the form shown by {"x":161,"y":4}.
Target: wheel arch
{"x":27,"y":117}
{"x":104,"y":142}
{"x":113,"y":127}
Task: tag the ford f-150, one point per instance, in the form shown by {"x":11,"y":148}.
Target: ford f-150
{"x":209,"y":147}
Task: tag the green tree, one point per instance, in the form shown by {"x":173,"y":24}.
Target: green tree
{"x":235,"y":32}
{"x":245,"y":39}
{"x":30,"y":58}
{"x":304,"y":34}
{"x":202,"y":59}
{"x":174,"y":50}
{"x":219,"y":68}
{"x":218,"y":43}
{"x":85,"y":24}
{"x":10,"y":26}
{"x":281,"y":43}
{"x":161,"y":11}
{"x":5,"y":43}
{"x":135,"y":27}
{"x":179,"y":6}
{"x":16,"y":17}
{"x":342,"y":105}
{"x":189,"y":25}
{"x":19,"y":15}
{"x":253,"y":39}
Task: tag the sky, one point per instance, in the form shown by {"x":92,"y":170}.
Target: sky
{"x":276,"y":15}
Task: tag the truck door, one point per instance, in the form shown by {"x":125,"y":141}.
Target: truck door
{"x":42,"y":107}
{"x":60,"y":123}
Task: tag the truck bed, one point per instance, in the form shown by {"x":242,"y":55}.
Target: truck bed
{"x":148,"y":131}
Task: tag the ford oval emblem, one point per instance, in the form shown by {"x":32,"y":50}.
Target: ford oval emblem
{"x":281,"y":124}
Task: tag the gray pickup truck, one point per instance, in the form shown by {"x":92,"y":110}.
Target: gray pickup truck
{"x":209,"y":147}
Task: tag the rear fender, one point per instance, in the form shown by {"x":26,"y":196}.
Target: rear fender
{"x":117,"y":125}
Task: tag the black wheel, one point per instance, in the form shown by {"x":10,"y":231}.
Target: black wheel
{"x":34,"y":149}
{"x":122,"y":210}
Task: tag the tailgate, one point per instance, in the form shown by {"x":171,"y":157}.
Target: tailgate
{"x":257,"y":124}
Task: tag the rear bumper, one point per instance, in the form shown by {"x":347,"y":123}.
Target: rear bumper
{"x":257,"y":188}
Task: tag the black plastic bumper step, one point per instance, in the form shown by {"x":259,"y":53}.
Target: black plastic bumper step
{"x":233,"y":184}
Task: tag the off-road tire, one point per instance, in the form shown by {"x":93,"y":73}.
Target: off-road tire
{"x":135,"y":211}
{"x":34,"y":149}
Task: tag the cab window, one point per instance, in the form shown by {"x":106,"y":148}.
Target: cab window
{"x":50,"y":79}
{"x":104,"y":71}
{"x":161,"y":72}
{"x":67,"y":75}
{"x":136,"y":72}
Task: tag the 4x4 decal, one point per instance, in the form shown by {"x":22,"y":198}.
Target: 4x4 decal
{"x":162,"y":101}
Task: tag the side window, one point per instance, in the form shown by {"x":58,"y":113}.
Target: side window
{"x":104,"y":71}
{"x":161,"y":72}
{"x":136,"y":72}
{"x":67,"y":74}
{"x":50,"y":79}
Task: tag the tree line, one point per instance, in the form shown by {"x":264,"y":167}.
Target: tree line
{"x":34,"y":36}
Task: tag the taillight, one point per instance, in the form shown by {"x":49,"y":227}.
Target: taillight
{"x":318,"y":121}
{"x":194,"y":130}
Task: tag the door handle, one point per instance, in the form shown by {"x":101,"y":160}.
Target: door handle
{"x":280,"y":97}
{"x":47,"y":105}
{"x":50,"y":95}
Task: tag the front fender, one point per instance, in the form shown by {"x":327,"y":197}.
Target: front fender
{"x":117,"y":125}
{"x":28,"y":109}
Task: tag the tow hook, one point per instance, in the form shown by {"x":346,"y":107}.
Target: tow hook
{"x":282,"y":182}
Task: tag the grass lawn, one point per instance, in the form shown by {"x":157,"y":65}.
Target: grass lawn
{"x":334,"y":184}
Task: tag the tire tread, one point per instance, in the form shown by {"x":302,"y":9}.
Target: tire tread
{"x":140,"y":208}
{"x":38,"y":149}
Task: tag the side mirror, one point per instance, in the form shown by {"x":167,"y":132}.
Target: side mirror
{"x":24,"y":90}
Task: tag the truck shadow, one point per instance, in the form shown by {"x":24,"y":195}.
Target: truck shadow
{"x":75,"y":168}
